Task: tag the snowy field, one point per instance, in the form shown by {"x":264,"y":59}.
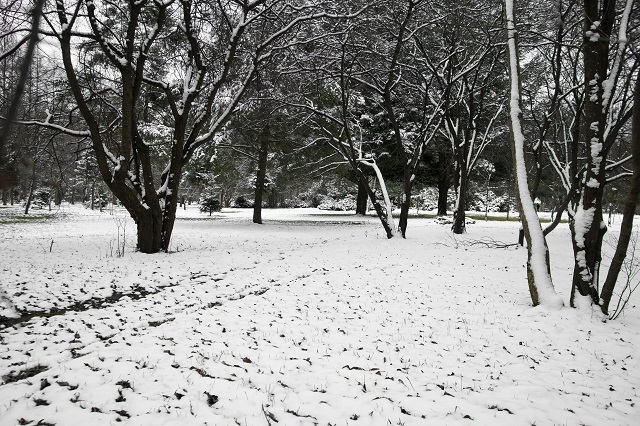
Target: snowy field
{"x":311,"y":318}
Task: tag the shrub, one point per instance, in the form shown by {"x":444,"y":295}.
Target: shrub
{"x":41,"y":198}
{"x":348,"y":202}
{"x":242,"y":202}
{"x":210,"y":205}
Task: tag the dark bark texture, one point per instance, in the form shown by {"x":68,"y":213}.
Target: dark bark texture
{"x":362,"y":198}
{"x":261,"y":174}
{"x":444,"y":166}
{"x":588,"y":253}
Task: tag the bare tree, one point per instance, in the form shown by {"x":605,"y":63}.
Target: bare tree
{"x":392,"y":62}
{"x":470,"y":84}
{"x":538,"y":270}
{"x":327,"y":92}
{"x":603,"y":75}
{"x":631,"y":204}
{"x":581,"y":119}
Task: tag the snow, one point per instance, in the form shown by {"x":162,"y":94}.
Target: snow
{"x":313,"y":317}
{"x":544,"y":286}
{"x":594,"y":88}
{"x":608,"y":86}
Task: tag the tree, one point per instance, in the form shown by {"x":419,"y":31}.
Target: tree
{"x":538,"y":269}
{"x":121,"y":77}
{"x":209,"y":200}
{"x":631,"y":204}
{"x":469,"y":83}
{"x":602,"y":74}
{"x":263,"y":126}
{"x":393,"y":68}
{"x":8,"y":31}
{"x":555,"y":102}
{"x":332,"y":100}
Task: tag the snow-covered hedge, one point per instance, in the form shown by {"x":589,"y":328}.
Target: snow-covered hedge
{"x":348,"y":202}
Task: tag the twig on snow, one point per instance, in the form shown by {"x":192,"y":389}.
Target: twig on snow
{"x":489,"y":242}
{"x":269,"y":416}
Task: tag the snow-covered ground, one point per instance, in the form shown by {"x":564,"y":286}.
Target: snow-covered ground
{"x":311,"y":318}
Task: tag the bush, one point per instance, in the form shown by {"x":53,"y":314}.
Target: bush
{"x":427,"y":199}
{"x":41,"y":199}
{"x":348,"y":202}
{"x":210,"y":205}
{"x":243,"y":203}
{"x":496,"y":202}
{"x":306,"y":199}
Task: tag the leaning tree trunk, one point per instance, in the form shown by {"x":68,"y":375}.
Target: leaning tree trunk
{"x":261,"y":175}
{"x":32,"y":189}
{"x":384,"y":219}
{"x":626,"y":228}
{"x":538,"y":268}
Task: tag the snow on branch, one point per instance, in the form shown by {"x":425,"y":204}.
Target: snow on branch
{"x":608,"y":86}
{"x":47,"y":124}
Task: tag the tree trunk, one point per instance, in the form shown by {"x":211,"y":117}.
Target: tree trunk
{"x":93,"y":194}
{"x":538,"y":268}
{"x":149,"y":233}
{"x":589,"y":224}
{"x":362,"y":198}
{"x":486,"y":199}
{"x":405,"y":201}
{"x":443,"y":182}
{"x":626,"y":228}
{"x":32,"y":189}
{"x":459,"y":216}
{"x":58,"y":194}
{"x":521,"y":237}
{"x":537,"y":176}
{"x":261,"y":175}
{"x":376,"y":205}
{"x":168,"y":205}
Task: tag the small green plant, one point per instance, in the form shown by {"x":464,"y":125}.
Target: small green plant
{"x":243,"y":203}
{"x":42,"y":199}
{"x":210,"y":205}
